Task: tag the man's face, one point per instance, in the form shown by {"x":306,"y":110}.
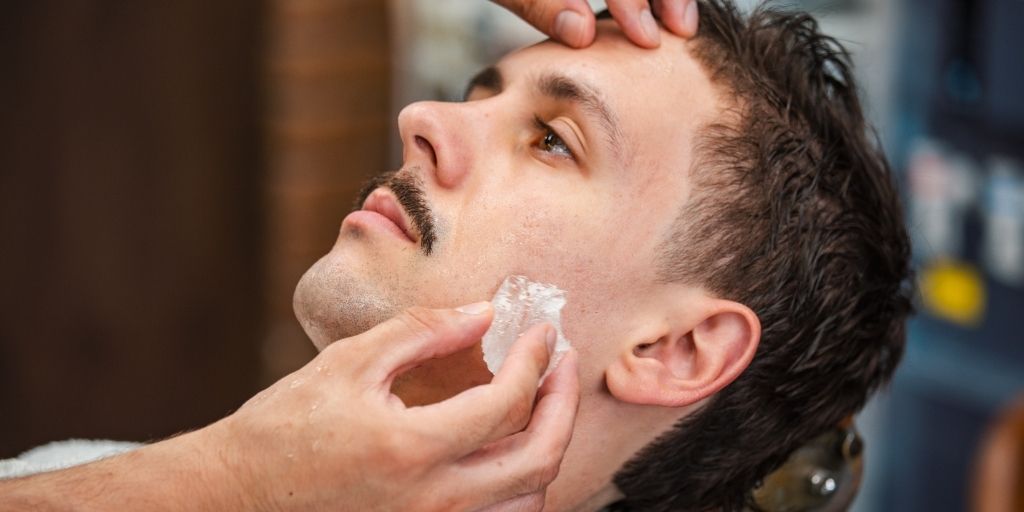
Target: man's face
{"x":565,"y":166}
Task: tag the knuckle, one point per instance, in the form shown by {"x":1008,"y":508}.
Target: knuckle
{"x":425,"y":448}
{"x":392,"y":446}
{"x":541,"y":14}
{"x":540,"y":476}
{"x":402,"y":449}
{"x":519,"y":410}
{"x":547,"y":458}
{"x":533,"y":10}
{"x":549,"y":471}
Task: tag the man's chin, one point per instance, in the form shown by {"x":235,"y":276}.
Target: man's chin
{"x":331,"y":303}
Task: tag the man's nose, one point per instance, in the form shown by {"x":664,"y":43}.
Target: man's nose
{"x":437,"y":136}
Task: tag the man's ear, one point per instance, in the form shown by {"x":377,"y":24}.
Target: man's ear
{"x":688,"y":357}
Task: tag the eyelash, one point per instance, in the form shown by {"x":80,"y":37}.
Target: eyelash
{"x":552,"y":138}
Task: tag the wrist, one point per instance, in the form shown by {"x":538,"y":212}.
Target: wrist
{"x":221,"y":475}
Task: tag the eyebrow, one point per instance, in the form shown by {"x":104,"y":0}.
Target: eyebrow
{"x":560,"y":87}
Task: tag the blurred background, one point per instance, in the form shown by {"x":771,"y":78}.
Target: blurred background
{"x":169,"y":169}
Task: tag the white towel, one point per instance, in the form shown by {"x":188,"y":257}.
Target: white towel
{"x":60,"y":455}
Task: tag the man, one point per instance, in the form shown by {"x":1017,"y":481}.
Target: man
{"x":728,"y":238}
{"x":727,"y":234}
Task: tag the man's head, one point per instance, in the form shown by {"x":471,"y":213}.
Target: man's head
{"x":685,"y":198}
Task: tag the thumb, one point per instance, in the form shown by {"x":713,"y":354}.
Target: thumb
{"x":569,"y":21}
{"x":415,"y":335}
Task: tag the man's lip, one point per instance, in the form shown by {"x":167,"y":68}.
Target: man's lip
{"x":384,"y":202}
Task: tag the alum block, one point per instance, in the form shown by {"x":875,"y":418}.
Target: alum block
{"x":518,"y":305}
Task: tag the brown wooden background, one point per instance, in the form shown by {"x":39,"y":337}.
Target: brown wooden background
{"x":167,"y":171}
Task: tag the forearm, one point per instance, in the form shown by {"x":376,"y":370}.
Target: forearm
{"x":181,"y":473}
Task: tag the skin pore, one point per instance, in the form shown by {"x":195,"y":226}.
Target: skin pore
{"x":568,"y":167}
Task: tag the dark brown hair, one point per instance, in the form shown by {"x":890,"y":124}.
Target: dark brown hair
{"x":794,"y":214}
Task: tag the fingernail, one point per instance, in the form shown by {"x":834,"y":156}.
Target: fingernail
{"x":551,"y":337}
{"x":476,"y":308}
{"x":650,"y":26}
{"x":690,"y":18}
{"x":569,"y":27}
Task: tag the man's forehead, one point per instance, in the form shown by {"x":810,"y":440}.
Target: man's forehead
{"x":611,"y":51}
{"x":594,"y":64}
{"x":624,"y":74}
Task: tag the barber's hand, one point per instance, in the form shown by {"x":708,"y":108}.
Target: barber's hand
{"x":572,"y":21}
{"x":331,"y":436}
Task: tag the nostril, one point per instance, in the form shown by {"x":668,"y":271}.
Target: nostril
{"x":425,"y":145}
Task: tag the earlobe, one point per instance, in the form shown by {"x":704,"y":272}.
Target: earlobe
{"x":691,"y":360}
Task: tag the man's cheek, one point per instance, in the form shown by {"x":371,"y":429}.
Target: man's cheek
{"x":440,"y":379}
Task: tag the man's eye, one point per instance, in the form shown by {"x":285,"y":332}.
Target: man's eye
{"x":551,"y":142}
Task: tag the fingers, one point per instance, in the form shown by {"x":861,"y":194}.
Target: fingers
{"x":555,"y":414}
{"x":569,"y":21}
{"x":483,"y":414}
{"x":637,"y":21}
{"x":551,"y":424}
{"x":679,"y":16}
{"x":415,"y":335}
{"x":522,"y":466}
{"x":573,"y":23}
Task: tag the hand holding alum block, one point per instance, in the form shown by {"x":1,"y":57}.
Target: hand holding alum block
{"x":518,"y":305}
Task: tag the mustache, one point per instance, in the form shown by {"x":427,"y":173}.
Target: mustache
{"x":408,"y":189}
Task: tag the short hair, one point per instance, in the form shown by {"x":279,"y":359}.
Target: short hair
{"x":795,"y":214}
